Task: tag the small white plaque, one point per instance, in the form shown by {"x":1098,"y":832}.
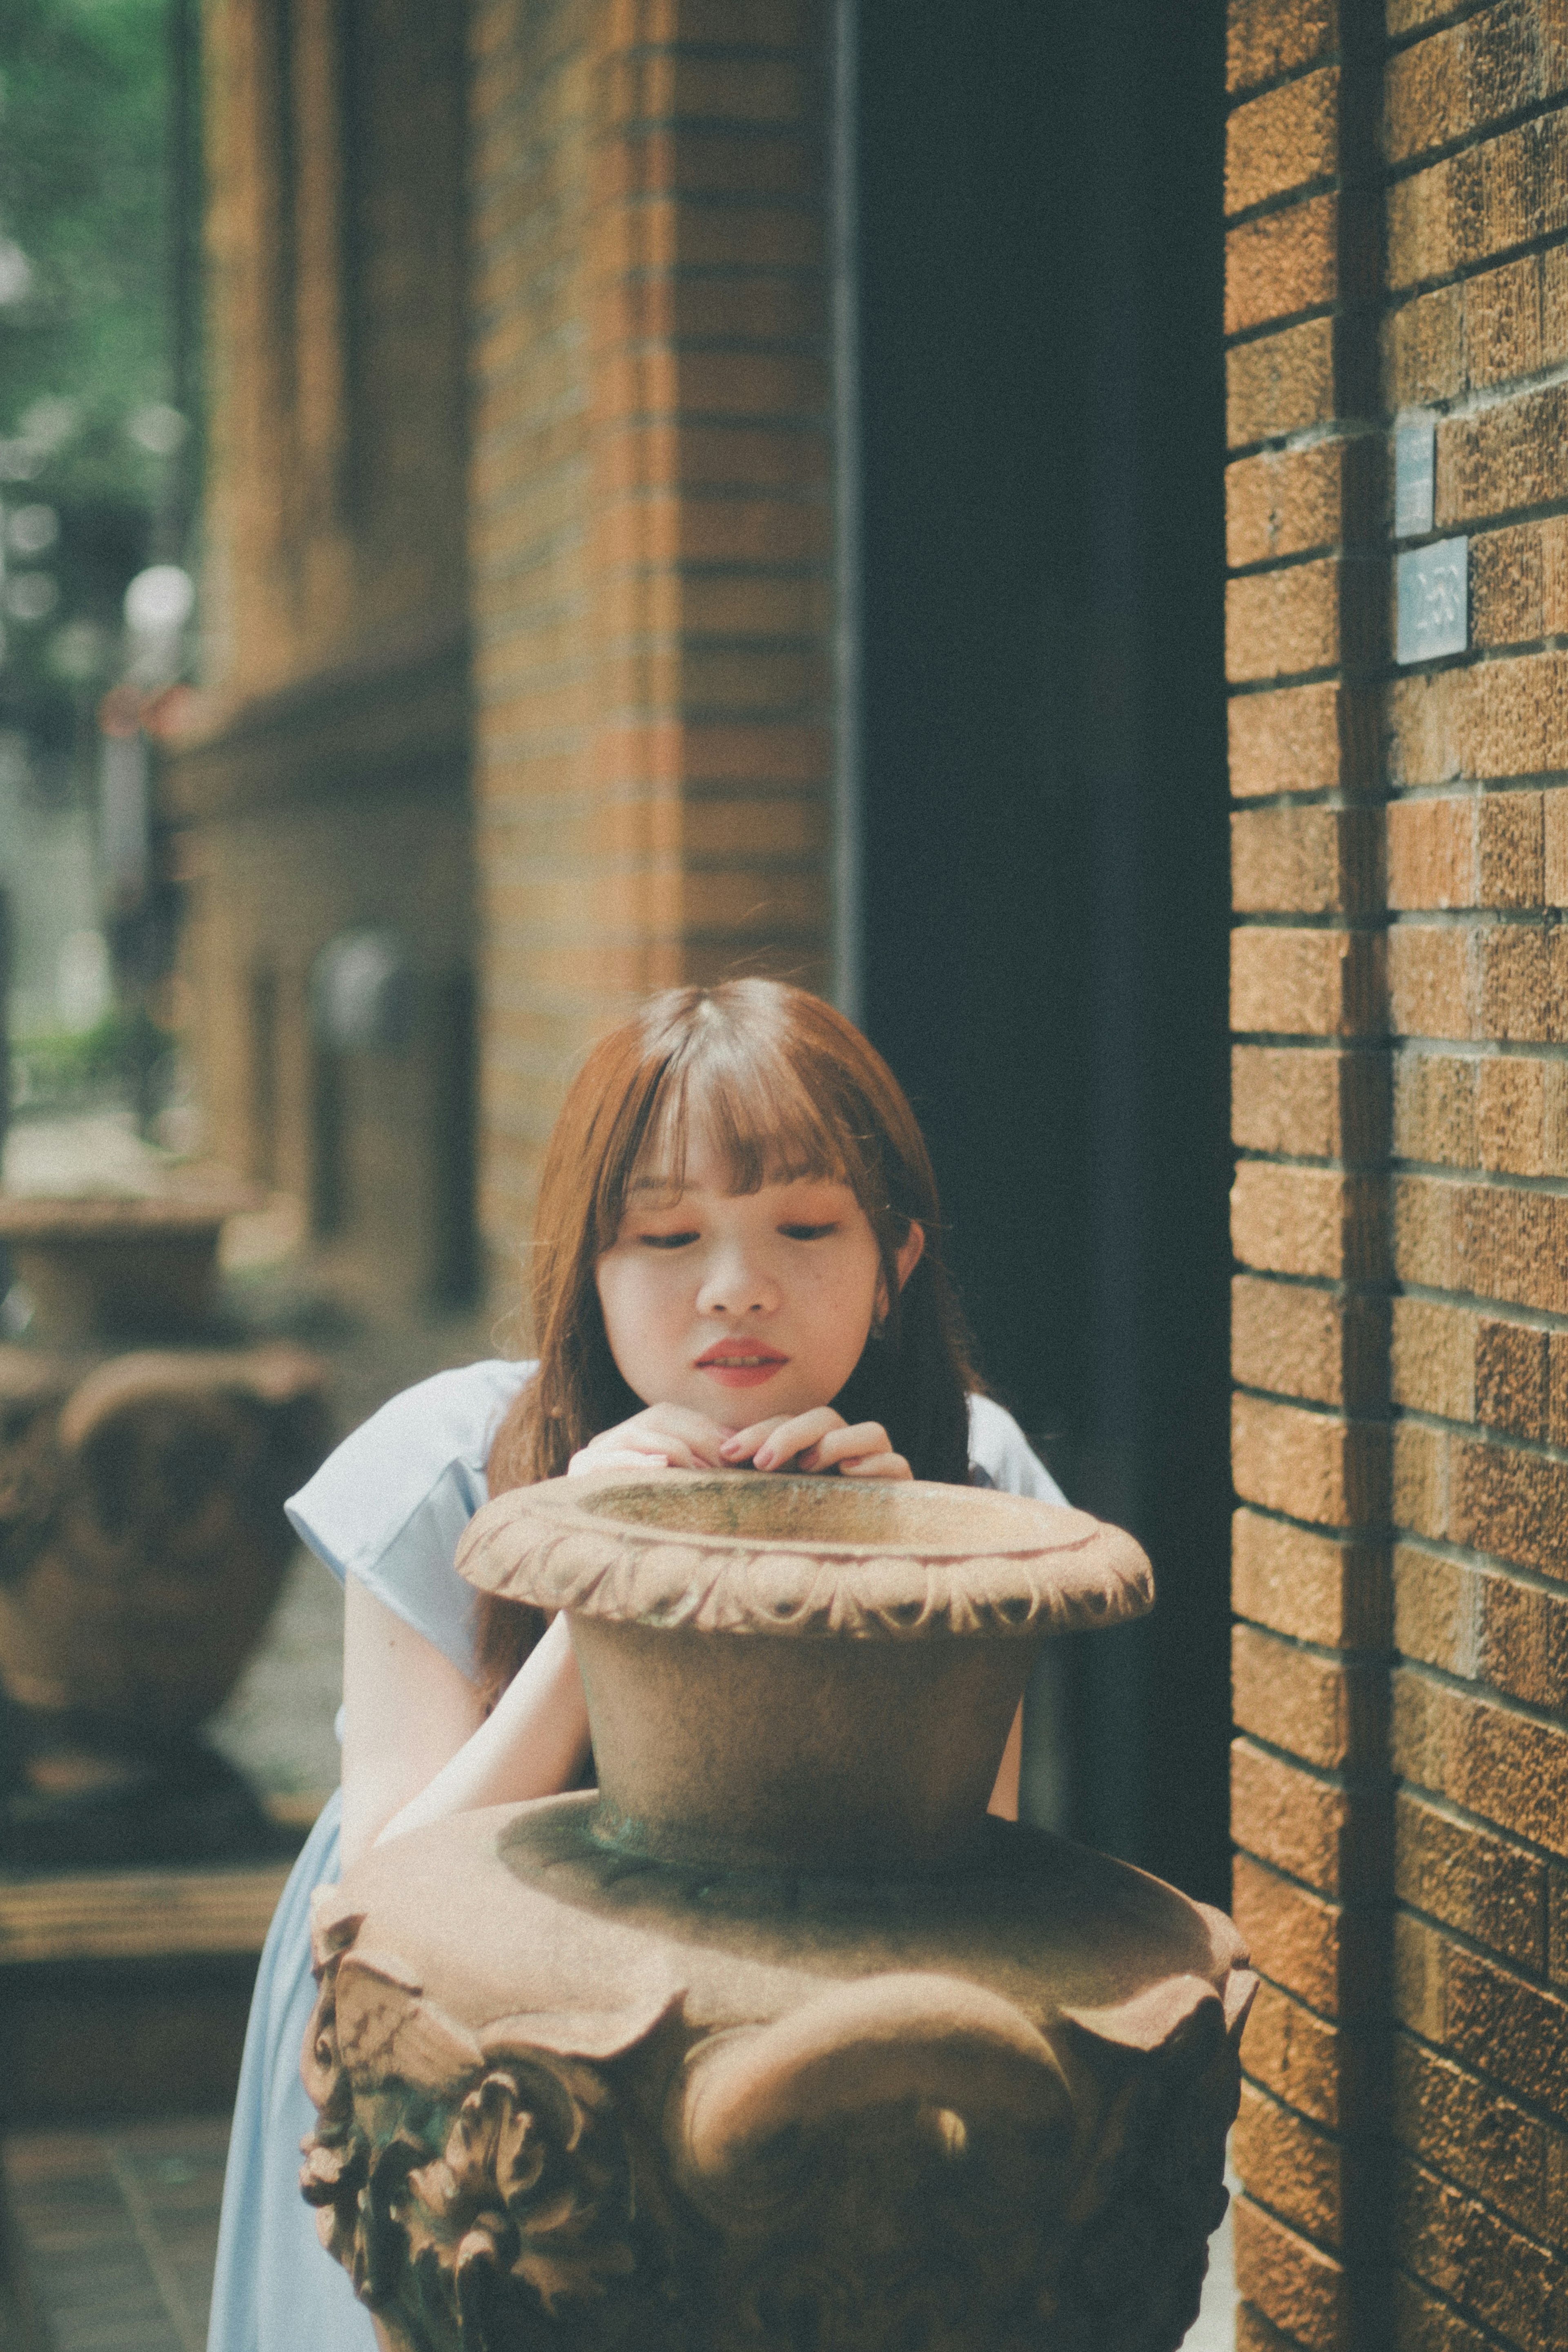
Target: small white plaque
{"x":1414,"y":474}
{"x":1433,"y":600}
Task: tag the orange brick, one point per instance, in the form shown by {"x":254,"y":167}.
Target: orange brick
{"x":1480,"y":332}
{"x":1499,"y":63}
{"x":1294,"y":2168}
{"x":1307,"y":983}
{"x":1266,"y":39}
{"x":1315,"y":1588}
{"x":1512,"y":1379}
{"x":1291,"y":2281}
{"x":1328,"y":2072}
{"x":1286,"y":502}
{"x":1554,"y":838}
{"x":1312,"y":1104}
{"x":1482,"y":2014}
{"x":1484,"y":2142}
{"x":1465,"y":1878}
{"x":1309,"y":1343}
{"x":1513,"y":455}
{"x":1422,"y":2324}
{"x":1508,"y":1245}
{"x":1330,"y":1712}
{"x":1520,"y":1116}
{"x":1486,"y":851}
{"x":1302,"y":738}
{"x":1500,"y":193}
{"x":1507,"y":716}
{"x":1308,"y":861}
{"x":1285,"y":262}
{"x":1280,"y":623}
{"x":1468,"y":2254}
{"x":1434,"y":1359}
{"x":1511,"y":1502}
{"x":1312,"y":1466}
{"x":1557,"y":1926}
{"x":1522,"y":983}
{"x":1280,"y":384}
{"x":1557,"y":1389}
{"x":1282,"y":141}
{"x":1255,"y":2334}
{"x":1420,"y":1480}
{"x":1331,"y":1959}
{"x":1435,"y":1109}
{"x":1519,"y":583}
{"x":1432,"y":854}
{"x":1308,"y":1221}
{"x":1434,"y":982}
{"x":1493,"y":1761}
{"x":1334,"y":1840}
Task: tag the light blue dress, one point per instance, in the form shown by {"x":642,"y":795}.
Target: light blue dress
{"x":388,"y":1508}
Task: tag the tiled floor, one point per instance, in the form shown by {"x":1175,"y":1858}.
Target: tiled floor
{"x":118,"y":2230}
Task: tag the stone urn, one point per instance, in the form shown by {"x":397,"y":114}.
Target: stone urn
{"x":777,"y":2041}
{"x":142,"y":1542}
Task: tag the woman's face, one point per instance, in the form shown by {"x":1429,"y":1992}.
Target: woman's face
{"x":742,"y":1304}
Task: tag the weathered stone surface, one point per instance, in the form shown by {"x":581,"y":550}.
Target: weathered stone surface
{"x":671,"y":2064}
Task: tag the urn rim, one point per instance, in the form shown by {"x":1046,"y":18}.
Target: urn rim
{"x":631,"y":1547}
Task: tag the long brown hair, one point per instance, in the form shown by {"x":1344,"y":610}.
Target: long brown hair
{"x":783,"y":1087}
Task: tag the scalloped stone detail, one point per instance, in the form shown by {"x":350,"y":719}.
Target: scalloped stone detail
{"x":735,"y":1552}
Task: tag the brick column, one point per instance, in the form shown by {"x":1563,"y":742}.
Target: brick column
{"x":1305,"y":642}
{"x":652,"y":523}
{"x":1477,"y":336}
{"x":1401,"y":1329}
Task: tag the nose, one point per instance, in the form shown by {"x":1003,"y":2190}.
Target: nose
{"x":736,"y":1284}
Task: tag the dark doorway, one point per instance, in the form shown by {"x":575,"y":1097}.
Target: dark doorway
{"x":1046,"y":895}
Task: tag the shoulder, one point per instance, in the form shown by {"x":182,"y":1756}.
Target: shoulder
{"x":999,"y":1449}
{"x":434,"y":1436}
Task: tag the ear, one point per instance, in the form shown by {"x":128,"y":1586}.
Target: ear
{"x":911,"y":1250}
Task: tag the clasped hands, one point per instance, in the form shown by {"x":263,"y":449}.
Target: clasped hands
{"x":675,"y":1437}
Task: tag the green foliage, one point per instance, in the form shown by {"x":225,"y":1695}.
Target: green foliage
{"x":65,"y":1066}
{"x":87,"y":256}
{"x":84,"y":193}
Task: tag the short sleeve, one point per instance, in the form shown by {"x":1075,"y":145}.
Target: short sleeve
{"x":390,"y":1506}
{"x":1003,"y":1456}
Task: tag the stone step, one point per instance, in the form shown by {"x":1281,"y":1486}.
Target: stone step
{"x":126,"y":1992}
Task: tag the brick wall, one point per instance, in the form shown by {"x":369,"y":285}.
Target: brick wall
{"x":1398,"y":249}
{"x":322,"y":780}
{"x":651,"y":523}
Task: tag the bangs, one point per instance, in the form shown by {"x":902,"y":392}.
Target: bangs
{"x":756,"y":1111}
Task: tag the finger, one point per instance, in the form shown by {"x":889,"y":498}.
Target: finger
{"x":743,"y":1443}
{"x":876,"y":1465}
{"x":614,"y":1457}
{"x":804,"y":1429}
{"x":844,"y":1444}
{"x":703,"y":1438}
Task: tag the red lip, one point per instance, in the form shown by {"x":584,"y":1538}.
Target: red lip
{"x":741,"y":1364}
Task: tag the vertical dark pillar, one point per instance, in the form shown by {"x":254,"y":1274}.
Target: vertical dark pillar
{"x":1045,"y":860}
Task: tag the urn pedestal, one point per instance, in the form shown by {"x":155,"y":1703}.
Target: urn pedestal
{"x":776,"y":2042}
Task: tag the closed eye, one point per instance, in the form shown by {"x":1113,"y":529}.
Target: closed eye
{"x":808,"y":1233}
{"x":666,"y":1241}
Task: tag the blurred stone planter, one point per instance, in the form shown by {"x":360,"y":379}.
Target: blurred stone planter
{"x":96,"y":1269}
{"x":142,"y":1540}
{"x":777,"y":2039}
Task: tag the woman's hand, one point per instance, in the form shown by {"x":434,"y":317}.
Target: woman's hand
{"x":814,"y":1442}
{"x":660,"y":1437}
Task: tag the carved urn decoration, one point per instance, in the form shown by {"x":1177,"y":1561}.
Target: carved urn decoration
{"x":777,"y":2041}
